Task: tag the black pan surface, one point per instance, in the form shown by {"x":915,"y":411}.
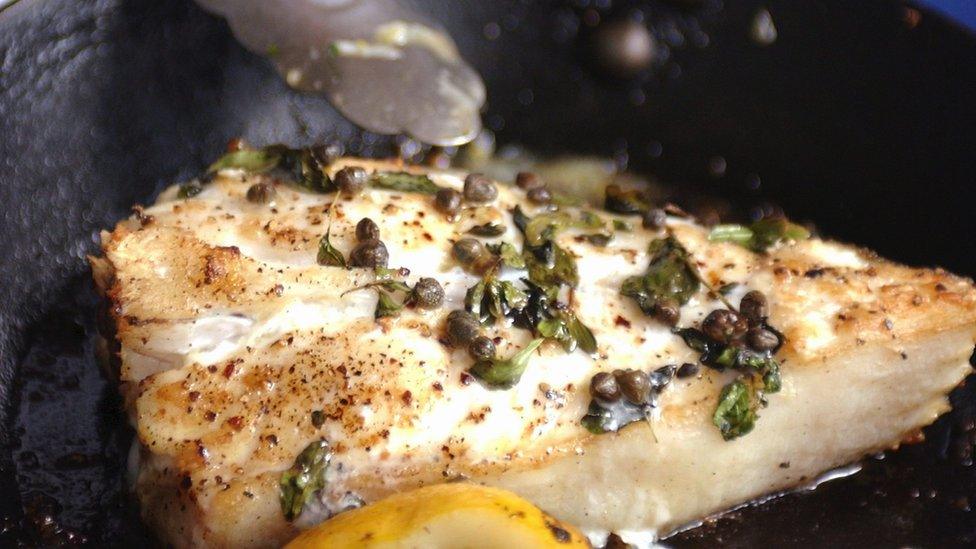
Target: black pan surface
{"x":861,"y":117}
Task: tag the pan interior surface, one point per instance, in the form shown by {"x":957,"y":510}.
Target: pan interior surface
{"x":852,"y":118}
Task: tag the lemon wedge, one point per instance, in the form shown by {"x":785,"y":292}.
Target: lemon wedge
{"x":455,"y":515}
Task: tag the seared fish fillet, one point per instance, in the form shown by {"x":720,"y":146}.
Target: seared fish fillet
{"x":236,"y":351}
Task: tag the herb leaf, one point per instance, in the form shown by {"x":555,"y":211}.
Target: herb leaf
{"x":735,"y":414}
{"x":298,"y":164}
{"x":491,"y":300}
{"x":567,"y":329}
{"x":304,"y":169}
{"x":499,"y":373}
{"x":550,"y":266}
{"x":473,"y":300}
{"x":249,"y":160}
{"x":509,"y":256}
{"x":583,"y":336}
{"x":771,"y":378}
{"x":386,"y":306}
{"x":189,"y":189}
{"x":737,"y":234}
{"x":669,"y":277}
{"x":600,"y":240}
{"x":621,"y":225}
{"x":520,"y":219}
{"x":764,"y":365}
{"x":720,"y":357}
{"x":404,"y":182}
{"x":305,"y":477}
{"x":598,"y":420}
{"x":696,"y":339}
{"x":385,"y":280}
{"x":514,"y":297}
{"x":761,"y":235}
{"x":623,"y":201}
{"x":546,"y":226}
{"x":328,"y":255}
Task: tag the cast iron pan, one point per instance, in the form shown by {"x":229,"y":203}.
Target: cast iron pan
{"x":861,"y":117}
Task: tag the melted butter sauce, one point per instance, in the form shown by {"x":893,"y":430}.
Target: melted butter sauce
{"x":649,"y":539}
{"x":833,"y":474}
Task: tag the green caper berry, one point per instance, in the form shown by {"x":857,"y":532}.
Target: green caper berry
{"x":468,"y":250}
{"x":687,"y":369}
{"x":654,"y":219}
{"x":667,"y":311}
{"x":479,"y":189}
{"x":754,"y":306}
{"x":261,"y":193}
{"x":448,"y":201}
{"x":604,"y":387}
{"x":481,"y":348}
{"x":351,"y":180}
{"x":428,"y":293}
{"x":539,"y":195}
{"x":634,"y":385}
{"x":369,"y":253}
{"x":760,"y":339}
{"x":327,"y":153}
{"x":367,"y":229}
{"x":724,"y":326}
{"x":462,"y":327}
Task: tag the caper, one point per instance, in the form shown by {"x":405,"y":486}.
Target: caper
{"x":261,"y":193}
{"x":687,"y":369}
{"x":604,"y":387}
{"x":667,"y":311}
{"x":479,"y":189}
{"x":367,"y":229}
{"x":351,"y":180}
{"x":754,"y":306}
{"x":481,"y":348}
{"x":448,"y":201}
{"x":462,"y":327}
{"x":468,"y":250}
{"x":661,"y":377}
{"x":724,"y":326}
{"x":427,"y":293}
{"x":484,"y":264}
{"x":761,"y":339}
{"x":539,"y":195}
{"x":327,"y":153}
{"x":528,"y":181}
{"x":369,"y":253}
{"x":634,"y":385}
{"x":655,"y":218}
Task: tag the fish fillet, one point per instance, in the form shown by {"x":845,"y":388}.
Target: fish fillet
{"x":227,"y":338}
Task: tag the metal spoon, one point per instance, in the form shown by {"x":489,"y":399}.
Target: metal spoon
{"x":386,"y":67}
